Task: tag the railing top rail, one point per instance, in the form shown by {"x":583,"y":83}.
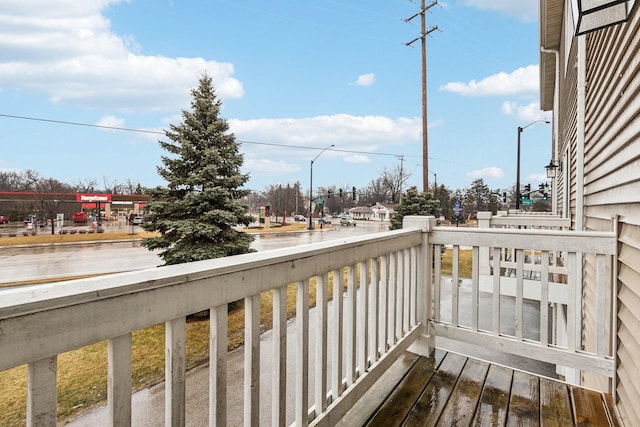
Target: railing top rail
{"x":334,"y":254}
{"x":552,"y":240}
{"x":530,"y":220}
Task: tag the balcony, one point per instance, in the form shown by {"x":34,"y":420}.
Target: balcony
{"x":526,"y":299}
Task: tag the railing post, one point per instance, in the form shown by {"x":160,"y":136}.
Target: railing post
{"x":484,"y":221}
{"x":425,"y":344}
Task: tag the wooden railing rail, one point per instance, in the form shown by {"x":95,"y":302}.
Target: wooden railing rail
{"x":518,"y":242}
{"x":374,"y":321}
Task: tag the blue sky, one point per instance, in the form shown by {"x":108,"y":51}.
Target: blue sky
{"x":294,"y":75}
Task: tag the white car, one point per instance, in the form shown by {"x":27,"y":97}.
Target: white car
{"x":347,"y":220}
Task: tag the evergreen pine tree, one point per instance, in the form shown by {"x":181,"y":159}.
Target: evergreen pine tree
{"x":197,"y":212}
{"x":414,"y":203}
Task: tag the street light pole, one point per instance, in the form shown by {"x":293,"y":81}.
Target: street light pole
{"x":520,"y":129}
{"x":311,"y":185}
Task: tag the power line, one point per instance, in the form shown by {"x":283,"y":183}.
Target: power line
{"x":155,"y":132}
{"x":423,"y":36}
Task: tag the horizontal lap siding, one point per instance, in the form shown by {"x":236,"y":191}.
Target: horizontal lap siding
{"x":567,"y":132}
{"x":612,"y":188}
{"x":629,"y":323}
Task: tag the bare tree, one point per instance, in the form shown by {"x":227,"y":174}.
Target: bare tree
{"x":48,"y":193}
{"x":394,"y":180}
{"x":85,"y":185}
{"x":282,"y":199}
{"x":112,"y":186}
{"x":375,"y":192}
{"x":13,"y":181}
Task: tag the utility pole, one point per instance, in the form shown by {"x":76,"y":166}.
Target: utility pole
{"x":425,"y":136}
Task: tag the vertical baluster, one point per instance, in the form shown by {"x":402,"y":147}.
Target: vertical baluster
{"x":252,"y":360}
{"x":350,"y":326}
{"x":391,"y":304}
{"x":544,"y":300}
{"x":399,"y":294}
{"x":384,"y":302}
{"x":279,"y":364}
{"x":519,"y":292}
{"x":119,"y":380}
{"x":437,"y":264}
{"x":601,"y":307}
{"x":321,"y":345}
{"x":363,"y":312}
{"x":41,"y":392}
{"x":218,"y":337}
{"x":497,"y":252}
{"x":413,"y":268}
{"x":337,"y":336}
{"x":175,"y":343}
{"x":406,"y":279}
{"x":373,"y":312}
{"x":302,"y":353}
{"x":475,"y":288}
{"x":455,"y":289}
{"x":573,"y":309}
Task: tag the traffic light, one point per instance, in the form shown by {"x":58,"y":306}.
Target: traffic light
{"x":504,"y":197}
{"x":527,"y":188}
{"x":341,"y":192}
{"x":527,"y":191}
{"x":545,"y":196}
{"x":330,"y":193}
{"x":541,"y":187}
{"x":353,"y":192}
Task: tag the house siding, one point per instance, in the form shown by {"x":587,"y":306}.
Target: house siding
{"x":611,"y":183}
{"x":612,"y":190}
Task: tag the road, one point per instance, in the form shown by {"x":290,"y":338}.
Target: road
{"x":18,"y":264}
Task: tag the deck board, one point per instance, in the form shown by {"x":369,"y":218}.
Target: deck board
{"x":464,"y":399}
{"x":450,"y":389}
{"x":494,"y":401}
{"x":401,"y":400}
{"x":433,"y":399}
{"x":555,"y":404}
{"x":524,"y":405}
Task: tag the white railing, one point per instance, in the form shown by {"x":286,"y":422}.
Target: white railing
{"x":387,"y":304}
{"x":473,"y":312}
{"x":374,"y":320}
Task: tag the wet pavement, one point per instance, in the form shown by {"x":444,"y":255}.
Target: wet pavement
{"x":38,"y":262}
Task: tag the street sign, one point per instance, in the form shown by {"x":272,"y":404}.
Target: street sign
{"x":527,"y":202}
{"x":319,"y":202}
{"x":456,"y":207}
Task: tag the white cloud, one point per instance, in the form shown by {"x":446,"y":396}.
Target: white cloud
{"x":522,"y":82}
{"x":524,"y":113}
{"x":110,"y":121}
{"x":266,"y":167}
{"x":490,"y":172}
{"x":357,"y":158}
{"x":67,"y":50}
{"x":538,"y":177}
{"x":525,"y":10}
{"x":365,"y":133}
{"x":365,"y":79}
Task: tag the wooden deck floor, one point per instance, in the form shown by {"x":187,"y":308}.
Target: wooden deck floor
{"x":450,"y":390}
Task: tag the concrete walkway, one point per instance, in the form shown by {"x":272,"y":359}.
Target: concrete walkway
{"x":148,"y":404}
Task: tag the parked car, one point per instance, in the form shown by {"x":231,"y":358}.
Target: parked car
{"x":347,"y":220}
{"x":299,"y":218}
{"x":80,"y":218}
{"x":137,"y":220}
{"x":4,"y":219}
{"x":324,"y":220}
